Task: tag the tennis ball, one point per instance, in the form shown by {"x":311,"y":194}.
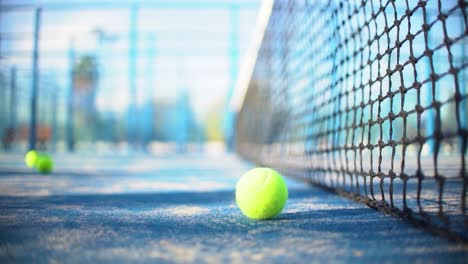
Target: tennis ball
{"x":31,"y":158}
{"x":261,"y":193}
{"x":44,"y":164}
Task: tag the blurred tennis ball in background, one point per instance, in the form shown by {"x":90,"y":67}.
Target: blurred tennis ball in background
{"x":44,"y":164}
{"x":31,"y":158}
{"x":261,"y":193}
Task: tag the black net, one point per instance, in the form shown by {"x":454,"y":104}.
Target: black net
{"x":367,"y":99}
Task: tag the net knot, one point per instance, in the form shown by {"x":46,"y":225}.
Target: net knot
{"x":425,"y":27}
{"x":404,"y":176}
{"x":442,"y":17}
{"x":453,"y":70}
{"x":381,"y":144}
{"x":419,"y":174}
{"x":420,"y":139}
{"x":417,"y":85}
{"x":448,"y":41}
{"x":398,"y":43}
{"x":436,"y":104}
{"x":419,"y":109}
{"x":462,"y":3}
{"x":428,"y":52}
{"x":403,"y":89}
{"x":457,"y":96}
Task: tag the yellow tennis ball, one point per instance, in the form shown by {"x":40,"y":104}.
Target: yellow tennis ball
{"x":44,"y":164}
{"x":31,"y":158}
{"x":261,"y":193}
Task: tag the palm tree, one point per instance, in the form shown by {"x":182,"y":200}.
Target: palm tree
{"x":85,"y":78}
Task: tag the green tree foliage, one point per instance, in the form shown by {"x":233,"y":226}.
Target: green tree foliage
{"x":85,"y":78}
{"x":85,"y":72}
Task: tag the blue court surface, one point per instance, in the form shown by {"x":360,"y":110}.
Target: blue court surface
{"x":141,"y":208}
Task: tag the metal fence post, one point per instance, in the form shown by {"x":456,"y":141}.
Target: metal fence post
{"x":70,"y":137}
{"x":35,"y":80}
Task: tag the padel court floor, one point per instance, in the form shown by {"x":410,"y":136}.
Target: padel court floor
{"x":181,"y":208}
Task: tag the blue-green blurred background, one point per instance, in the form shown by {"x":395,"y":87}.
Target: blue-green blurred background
{"x":120,"y":75}
{"x":160,"y":75}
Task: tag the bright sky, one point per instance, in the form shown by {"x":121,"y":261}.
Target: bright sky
{"x":178,"y":48}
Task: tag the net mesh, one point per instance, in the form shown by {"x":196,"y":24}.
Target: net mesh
{"x":367,"y":99}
